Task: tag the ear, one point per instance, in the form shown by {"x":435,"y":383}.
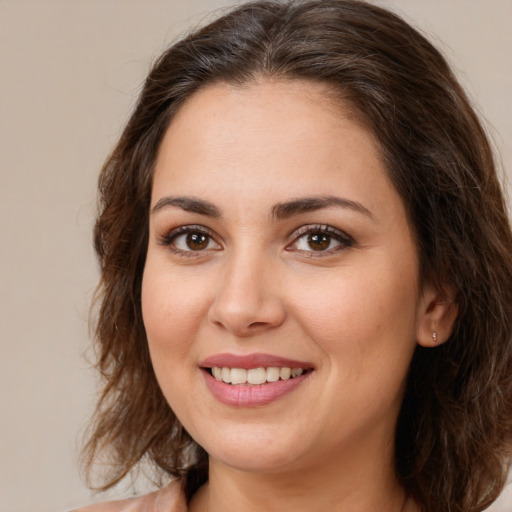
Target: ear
{"x":436,"y":316}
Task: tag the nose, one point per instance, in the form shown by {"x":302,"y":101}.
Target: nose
{"x":248,"y":299}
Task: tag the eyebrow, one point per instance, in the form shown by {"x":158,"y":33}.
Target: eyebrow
{"x":309,"y":204}
{"x":189,"y":204}
{"x":279,"y":211}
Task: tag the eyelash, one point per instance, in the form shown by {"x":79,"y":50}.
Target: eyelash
{"x":169,"y":239}
{"x":344,"y":241}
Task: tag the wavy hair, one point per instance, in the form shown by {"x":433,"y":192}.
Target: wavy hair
{"x":454,"y":431}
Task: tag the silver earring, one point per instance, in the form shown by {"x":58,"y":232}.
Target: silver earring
{"x":434,"y":336}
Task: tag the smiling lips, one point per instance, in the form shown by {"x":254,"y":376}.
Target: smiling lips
{"x":256,"y":379}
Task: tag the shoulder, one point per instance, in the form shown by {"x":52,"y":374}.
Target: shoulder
{"x":170,"y":498}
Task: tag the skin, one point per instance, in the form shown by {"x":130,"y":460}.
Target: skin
{"x":354,"y":310}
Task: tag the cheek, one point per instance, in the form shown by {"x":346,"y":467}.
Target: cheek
{"x":172,"y":312}
{"x":172,"y":316}
{"x":367,"y":309}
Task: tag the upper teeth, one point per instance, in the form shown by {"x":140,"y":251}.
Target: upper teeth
{"x":254,"y":375}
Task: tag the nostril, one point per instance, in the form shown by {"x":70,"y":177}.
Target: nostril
{"x":245,"y":314}
{"x":257,"y":324}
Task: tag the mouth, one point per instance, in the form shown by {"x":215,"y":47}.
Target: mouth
{"x":254,"y":376}
{"x":253,"y":380}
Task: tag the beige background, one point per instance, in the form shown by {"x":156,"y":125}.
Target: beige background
{"x":69,"y":73}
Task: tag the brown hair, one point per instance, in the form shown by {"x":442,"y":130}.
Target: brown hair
{"x":455,"y":428}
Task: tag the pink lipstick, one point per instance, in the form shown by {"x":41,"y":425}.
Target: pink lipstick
{"x":252,"y":380}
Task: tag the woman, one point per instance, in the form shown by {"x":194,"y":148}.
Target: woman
{"x":305,"y":257}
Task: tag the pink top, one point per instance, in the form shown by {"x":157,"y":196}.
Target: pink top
{"x":169,"y":499}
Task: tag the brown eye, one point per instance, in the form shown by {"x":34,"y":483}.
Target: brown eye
{"x":197,"y":241}
{"x":319,"y":241}
{"x":189,"y":239}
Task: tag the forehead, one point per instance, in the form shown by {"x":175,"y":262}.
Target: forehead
{"x":287,"y":137}
{"x":267,"y":111}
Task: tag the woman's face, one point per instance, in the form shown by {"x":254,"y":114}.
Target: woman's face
{"x":278,"y":242}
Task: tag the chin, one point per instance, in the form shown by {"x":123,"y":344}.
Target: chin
{"x":256,"y":462}
{"x":253,"y":451}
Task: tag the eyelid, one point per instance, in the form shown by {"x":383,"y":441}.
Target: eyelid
{"x":168,"y":237}
{"x":345,"y":240}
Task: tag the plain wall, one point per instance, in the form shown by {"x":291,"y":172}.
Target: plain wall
{"x":69,"y":74}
